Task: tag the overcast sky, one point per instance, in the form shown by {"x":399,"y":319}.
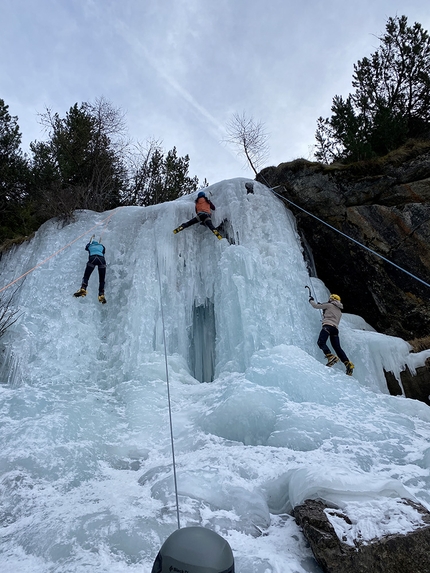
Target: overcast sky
{"x":180,"y":69}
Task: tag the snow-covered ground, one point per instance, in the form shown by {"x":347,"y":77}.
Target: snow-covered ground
{"x":86,"y":458}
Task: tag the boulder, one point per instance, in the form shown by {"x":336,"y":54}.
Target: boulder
{"x":415,"y":385}
{"x":395,"y":553}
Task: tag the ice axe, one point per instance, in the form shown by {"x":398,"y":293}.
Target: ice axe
{"x":310,"y":293}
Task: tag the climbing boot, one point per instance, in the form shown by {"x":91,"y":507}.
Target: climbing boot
{"x":181,"y":228}
{"x":217,"y":234}
{"x":331,"y":359}
{"x":349,"y":367}
{"x":81,"y":292}
{"x":102,"y":299}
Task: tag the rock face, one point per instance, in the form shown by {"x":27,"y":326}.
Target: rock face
{"x":414,"y":386}
{"x":390,"y":554}
{"x":383,"y":205}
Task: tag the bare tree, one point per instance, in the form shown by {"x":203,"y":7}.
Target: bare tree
{"x":251,"y":139}
{"x":8,"y":314}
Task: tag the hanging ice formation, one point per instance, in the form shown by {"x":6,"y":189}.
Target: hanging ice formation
{"x":86,"y":465}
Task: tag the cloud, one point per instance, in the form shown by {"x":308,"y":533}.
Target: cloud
{"x":181,"y":68}
{"x":165,"y":73}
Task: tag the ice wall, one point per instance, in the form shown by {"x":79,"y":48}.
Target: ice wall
{"x":86,"y":462}
{"x":250,"y":294}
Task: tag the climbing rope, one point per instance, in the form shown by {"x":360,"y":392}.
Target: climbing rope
{"x":106,"y":221}
{"x":345,"y":235}
{"x":172,"y":444}
{"x":103,"y":222}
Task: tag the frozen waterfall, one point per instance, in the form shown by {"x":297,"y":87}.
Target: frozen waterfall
{"x":86,"y":461}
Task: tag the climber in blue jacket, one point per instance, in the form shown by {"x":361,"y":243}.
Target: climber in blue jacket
{"x":96,"y":259}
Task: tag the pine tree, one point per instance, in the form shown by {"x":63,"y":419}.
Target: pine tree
{"x":14,"y":175}
{"x":80,"y":167}
{"x":157,"y":177}
{"x":391,"y":102}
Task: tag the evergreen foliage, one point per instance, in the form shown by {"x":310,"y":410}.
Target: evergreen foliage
{"x":14,"y":176}
{"x":158,"y":178}
{"x":86,"y":162}
{"x":391,"y":102}
{"x":79,"y":166}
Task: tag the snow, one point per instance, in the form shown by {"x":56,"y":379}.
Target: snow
{"x":371,"y":519}
{"x":86,"y":447}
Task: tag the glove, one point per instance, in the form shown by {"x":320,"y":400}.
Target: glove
{"x":311,"y":298}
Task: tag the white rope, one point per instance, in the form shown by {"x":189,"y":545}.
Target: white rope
{"x":347,"y":236}
{"x":168,"y":386}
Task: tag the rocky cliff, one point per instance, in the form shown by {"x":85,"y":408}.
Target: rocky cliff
{"x":382,"y":204}
{"x":396,"y":553}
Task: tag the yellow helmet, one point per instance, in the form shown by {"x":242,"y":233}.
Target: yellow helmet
{"x":334,"y":297}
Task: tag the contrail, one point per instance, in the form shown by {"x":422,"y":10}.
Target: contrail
{"x":216,"y":128}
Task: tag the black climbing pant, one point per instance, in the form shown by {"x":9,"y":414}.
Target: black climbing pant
{"x":203,"y":218}
{"x":99,"y":262}
{"x":332,"y":332}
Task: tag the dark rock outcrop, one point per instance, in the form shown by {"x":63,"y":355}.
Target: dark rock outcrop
{"x":390,"y":554}
{"x":415,"y":386}
{"x":382,"y":204}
